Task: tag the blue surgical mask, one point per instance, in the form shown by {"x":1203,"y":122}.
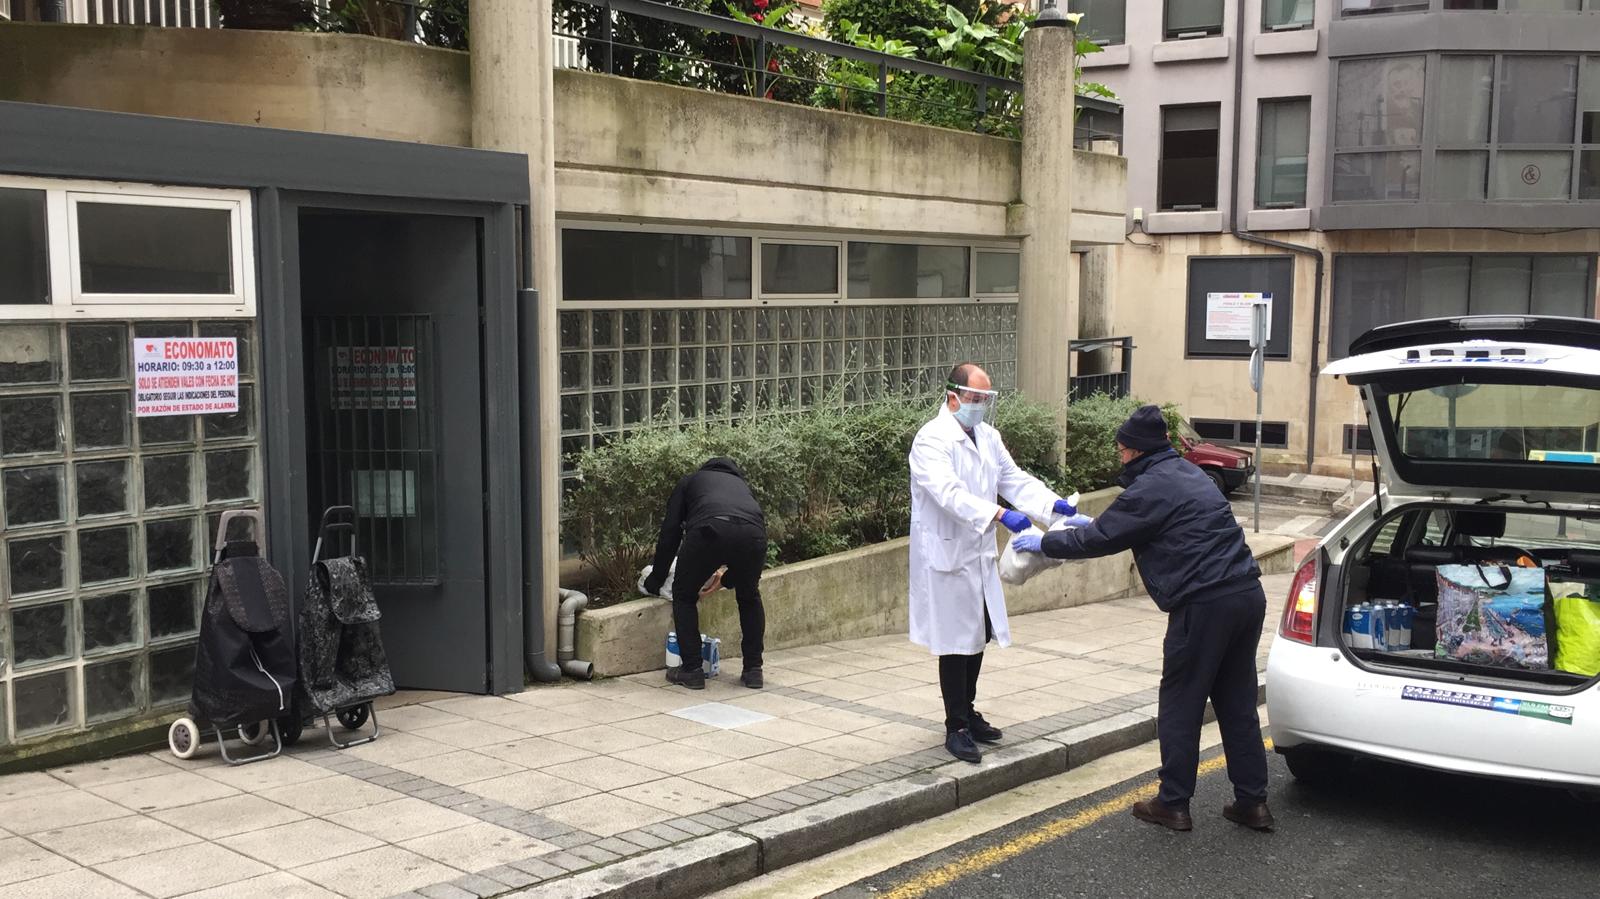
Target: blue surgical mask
{"x":971,"y":414}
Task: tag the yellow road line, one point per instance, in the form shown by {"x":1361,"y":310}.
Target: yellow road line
{"x":984,"y":859}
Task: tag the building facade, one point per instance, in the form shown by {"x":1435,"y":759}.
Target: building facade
{"x":1423,"y":157}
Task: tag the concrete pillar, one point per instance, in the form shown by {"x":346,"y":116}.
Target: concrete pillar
{"x":513,"y":108}
{"x":1095,"y":313}
{"x":1047,"y":314}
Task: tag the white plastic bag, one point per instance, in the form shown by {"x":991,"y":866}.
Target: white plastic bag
{"x":1019,"y":568}
{"x":666,"y":585}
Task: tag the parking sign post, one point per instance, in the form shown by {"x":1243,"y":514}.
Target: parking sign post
{"x":1260,"y":332}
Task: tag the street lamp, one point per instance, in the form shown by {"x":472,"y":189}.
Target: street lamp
{"x":1051,"y":16}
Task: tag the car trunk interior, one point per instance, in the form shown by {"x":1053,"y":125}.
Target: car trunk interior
{"x":1499,"y":627}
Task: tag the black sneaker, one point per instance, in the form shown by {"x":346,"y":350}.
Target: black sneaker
{"x":961,"y":746}
{"x":982,"y":731}
{"x":694,"y":680}
{"x":752,"y":678}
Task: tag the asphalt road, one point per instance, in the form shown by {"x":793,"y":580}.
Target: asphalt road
{"x":1390,"y":831}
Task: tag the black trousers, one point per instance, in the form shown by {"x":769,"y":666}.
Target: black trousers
{"x":1210,"y":651}
{"x":958,"y":683}
{"x":740,"y":545}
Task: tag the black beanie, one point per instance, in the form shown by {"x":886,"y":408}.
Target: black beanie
{"x":1145,"y":430}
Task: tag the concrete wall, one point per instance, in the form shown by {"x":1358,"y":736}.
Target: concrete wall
{"x":1150,"y":306}
{"x":333,"y":83}
{"x":860,"y":593}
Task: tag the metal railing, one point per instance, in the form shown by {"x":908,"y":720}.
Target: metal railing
{"x":1115,"y":383}
{"x":166,"y":13}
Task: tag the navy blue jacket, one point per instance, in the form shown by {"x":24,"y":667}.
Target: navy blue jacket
{"x":1180,"y":527}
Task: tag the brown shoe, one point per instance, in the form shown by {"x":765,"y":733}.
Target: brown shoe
{"x":1157,"y":812}
{"x":1255,"y":816}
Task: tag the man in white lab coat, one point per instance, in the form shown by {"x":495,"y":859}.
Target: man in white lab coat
{"x":958,"y":465}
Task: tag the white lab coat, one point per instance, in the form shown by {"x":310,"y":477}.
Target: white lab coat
{"x":954,"y":560}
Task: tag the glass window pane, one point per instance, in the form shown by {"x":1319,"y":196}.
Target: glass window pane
{"x":34,"y":495}
{"x":1500,"y":284}
{"x":1189,"y":141}
{"x":30,"y":424}
{"x":1104,"y":21}
{"x":1561,"y":286}
{"x":1379,"y":103}
{"x":1440,"y":286}
{"x":171,"y":609}
{"x":97,"y":352}
{"x":636,"y":265}
{"x":169,"y":545}
{"x":110,"y":689}
{"x":1538,"y":97}
{"x":243,"y":332}
{"x":1285,"y":140}
{"x":29,"y":354}
{"x":1367,"y":291}
{"x":166,"y":429}
{"x":1378,"y":7}
{"x":24,"y":247}
{"x":1589,"y":178}
{"x":1532,"y":175}
{"x":171,"y":675}
{"x":108,"y":621}
{"x":100,"y":420}
{"x":790,"y":268}
{"x":168,"y":481}
{"x":1589,"y":102}
{"x":1191,"y":16}
{"x":229,"y":475}
{"x":234,"y":424}
{"x":1376,"y":176}
{"x":102,"y":487}
{"x":906,"y":271}
{"x":44,"y":702}
{"x":999,"y":273}
{"x":123,"y":248}
{"x":41,"y":633}
{"x":105,"y":554}
{"x":1466,"y":88}
{"x":1461,"y":174}
{"x":1277,"y":15}
{"x":36,"y":564}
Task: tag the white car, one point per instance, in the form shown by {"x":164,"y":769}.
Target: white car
{"x":1486,"y":431}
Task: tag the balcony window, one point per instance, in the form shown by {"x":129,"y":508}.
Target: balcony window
{"x":1287,"y":15}
{"x":1377,"y":129}
{"x":1515,"y":5}
{"x":1189,"y":157}
{"x":1104,"y":21}
{"x":1349,"y":8}
{"x":1193,"y":18}
{"x":1284,"y":139}
{"x":24,"y":248}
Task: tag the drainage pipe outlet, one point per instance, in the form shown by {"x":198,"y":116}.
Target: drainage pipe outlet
{"x":572,"y":602}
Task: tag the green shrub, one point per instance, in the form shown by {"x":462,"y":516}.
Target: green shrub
{"x":1092,"y":423}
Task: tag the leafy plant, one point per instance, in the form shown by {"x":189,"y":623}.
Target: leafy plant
{"x":854,"y":85}
{"x":1092,"y":422}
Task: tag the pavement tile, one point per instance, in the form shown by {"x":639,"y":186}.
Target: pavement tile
{"x":277,"y":885}
{"x":902,"y":737}
{"x":472,"y":734}
{"x":300,"y":843}
{"x":804,"y":763}
{"x":50,"y":811}
{"x":22,"y":860}
{"x":566,"y":861}
{"x":659,"y":699}
{"x":789,"y":731}
{"x":842,"y":721}
{"x":594,"y":854}
{"x":376,"y":873}
{"x":529,"y":790}
{"x":693,"y":826}
{"x":535,"y":752}
{"x":481,"y":708}
{"x":34,"y":783}
{"x":106,"y":841}
{"x":732,"y":744}
{"x":665,"y":726}
{"x":398,"y":747}
{"x":185,"y":869}
{"x":538,"y":867}
{"x":330,"y":794}
{"x":604,"y":773}
{"x":276,"y":773}
{"x":400,"y":820}
{"x":856,"y":748}
{"x":477,"y":846}
{"x":479,"y":886}
{"x":551,"y":697}
{"x":163,"y":791}
{"x":744,"y":778}
{"x":839,"y":689}
{"x":679,"y":795}
{"x":417,"y":717}
{"x":780,"y":676}
{"x":226,"y":817}
{"x":93,"y":774}
{"x":512,"y":877}
{"x":80,"y":883}
{"x":643,"y":839}
{"x":446,"y":891}
{"x":778,"y":706}
{"x":456,"y":768}
{"x":672,"y":758}
{"x":604,"y":738}
{"x":605,"y":815}
{"x":572,"y":838}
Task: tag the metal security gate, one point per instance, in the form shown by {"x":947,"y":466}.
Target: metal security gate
{"x":374,"y":432}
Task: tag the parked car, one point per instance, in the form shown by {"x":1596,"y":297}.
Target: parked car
{"x":1486,"y":432}
{"x":1227,"y":467}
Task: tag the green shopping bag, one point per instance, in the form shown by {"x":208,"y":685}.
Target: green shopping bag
{"x":1577,"y":643}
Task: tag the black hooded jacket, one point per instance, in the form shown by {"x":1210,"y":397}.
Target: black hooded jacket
{"x":717,"y":490}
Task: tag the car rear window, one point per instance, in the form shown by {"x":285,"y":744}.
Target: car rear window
{"x":1512,"y":422}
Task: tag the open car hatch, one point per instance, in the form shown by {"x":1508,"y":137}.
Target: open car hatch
{"x":1488,"y":406}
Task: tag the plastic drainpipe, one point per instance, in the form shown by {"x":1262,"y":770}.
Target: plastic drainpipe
{"x":539,"y":667}
{"x":572,"y":602}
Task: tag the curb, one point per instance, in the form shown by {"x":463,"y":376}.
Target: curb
{"x":721,"y":860}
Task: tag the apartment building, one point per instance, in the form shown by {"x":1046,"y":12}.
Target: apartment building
{"x":1362,"y":161}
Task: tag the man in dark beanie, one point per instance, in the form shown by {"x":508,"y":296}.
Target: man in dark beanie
{"x":1195,"y":564}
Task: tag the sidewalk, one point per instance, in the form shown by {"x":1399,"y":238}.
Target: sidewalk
{"x":481,"y":796}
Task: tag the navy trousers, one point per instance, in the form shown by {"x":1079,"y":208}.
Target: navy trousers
{"x":1210,"y":652}
{"x":740,"y":545}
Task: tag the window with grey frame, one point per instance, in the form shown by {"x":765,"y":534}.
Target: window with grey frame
{"x":1104,"y":22}
{"x":1517,"y":5}
{"x":1189,"y":157}
{"x":1377,"y":129}
{"x":1351,"y":8}
{"x":1192,"y":18}
{"x":1379,"y":289}
{"x":1287,"y":15}
{"x":1265,"y":274}
{"x":1283,"y":145}
{"x":1508,"y":128}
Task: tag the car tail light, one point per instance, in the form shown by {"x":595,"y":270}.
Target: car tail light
{"x":1301,"y":609}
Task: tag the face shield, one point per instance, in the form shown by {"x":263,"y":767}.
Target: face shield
{"x":976,"y":405}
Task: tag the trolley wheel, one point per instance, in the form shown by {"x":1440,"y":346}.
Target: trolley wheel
{"x":254,"y":734}
{"x":352,"y":718}
{"x":290,"y":727}
{"x":183,"y":738}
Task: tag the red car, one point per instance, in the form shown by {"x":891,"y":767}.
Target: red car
{"x":1227,"y":467}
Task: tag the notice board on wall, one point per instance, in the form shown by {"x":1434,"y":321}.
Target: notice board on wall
{"x":377,"y":377}
{"x":185,"y":376}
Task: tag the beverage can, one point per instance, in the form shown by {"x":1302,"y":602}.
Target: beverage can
{"x":674,"y":658}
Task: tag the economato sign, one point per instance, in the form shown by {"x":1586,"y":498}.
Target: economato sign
{"x":185,"y":376}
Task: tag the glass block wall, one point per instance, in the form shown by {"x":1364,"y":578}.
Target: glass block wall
{"x":625,"y":368}
{"x":107,"y":523}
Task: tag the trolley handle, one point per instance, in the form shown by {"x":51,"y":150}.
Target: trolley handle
{"x":335,"y":520}
{"x":258,"y":524}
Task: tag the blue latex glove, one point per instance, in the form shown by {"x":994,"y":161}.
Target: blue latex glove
{"x":1028,"y":543}
{"x":1064,"y":507}
{"x":1078,"y":521}
{"x":1015,"y":521}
